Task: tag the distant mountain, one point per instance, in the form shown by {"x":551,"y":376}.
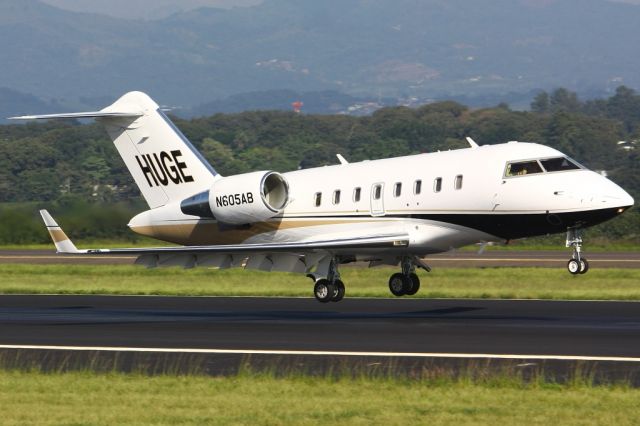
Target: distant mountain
{"x":364,"y":48}
{"x":144,"y":9}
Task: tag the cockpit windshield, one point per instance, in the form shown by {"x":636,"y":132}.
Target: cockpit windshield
{"x":547,"y":165}
{"x":522,"y":168}
{"x":558,"y":164}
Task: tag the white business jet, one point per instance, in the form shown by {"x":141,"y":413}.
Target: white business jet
{"x":393,"y":211}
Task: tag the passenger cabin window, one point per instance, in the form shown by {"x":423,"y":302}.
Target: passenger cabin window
{"x":377,"y":192}
{"x":417,"y":187}
{"x":336,"y":196}
{"x":458,"y":182}
{"x":437,"y":185}
{"x":397,"y":189}
{"x":318,"y":198}
{"x":522,"y":168}
{"x":558,"y":164}
{"x":356,"y":195}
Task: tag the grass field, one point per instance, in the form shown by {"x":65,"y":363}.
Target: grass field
{"x":436,"y":398}
{"x":522,"y":283}
{"x":90,"y":398}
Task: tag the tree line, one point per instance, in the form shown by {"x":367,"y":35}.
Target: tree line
{"x":74,"y":167}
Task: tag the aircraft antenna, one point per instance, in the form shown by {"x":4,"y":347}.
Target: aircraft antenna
{"x":342,"y":159}
{"x":472,"y":142}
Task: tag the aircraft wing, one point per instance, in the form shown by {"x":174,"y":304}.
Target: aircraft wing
{"x":65,"y":246}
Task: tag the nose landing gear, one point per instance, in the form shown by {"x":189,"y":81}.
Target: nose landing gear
{"x":577,"y":264}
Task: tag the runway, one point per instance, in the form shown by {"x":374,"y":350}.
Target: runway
{"x":457,"y":259}
{"x":408,"y":333}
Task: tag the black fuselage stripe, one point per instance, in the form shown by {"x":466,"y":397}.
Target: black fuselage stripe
{"x":503,"y":225}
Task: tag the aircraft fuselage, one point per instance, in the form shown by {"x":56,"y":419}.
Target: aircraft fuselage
{"x":443,"y":200}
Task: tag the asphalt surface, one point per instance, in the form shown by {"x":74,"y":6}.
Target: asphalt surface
{"x":410,"y":334}
{"x":458,"y":259}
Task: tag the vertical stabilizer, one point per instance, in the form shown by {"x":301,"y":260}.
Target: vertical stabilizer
{"x":164,"y":164}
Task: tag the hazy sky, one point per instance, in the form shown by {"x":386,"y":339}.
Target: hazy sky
{"x":146,"y":9}
{"x":153,"y":9}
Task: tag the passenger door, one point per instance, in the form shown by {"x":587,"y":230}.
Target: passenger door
{"x":377,"y":199}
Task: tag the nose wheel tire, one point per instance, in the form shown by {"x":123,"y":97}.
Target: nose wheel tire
{"x":576,"y":267}
{"x":324,"y":291}
{"x":573,"y":266}
{"x":584,"y":266}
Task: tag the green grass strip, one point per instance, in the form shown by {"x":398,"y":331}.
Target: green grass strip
{"x":499,"y":283}
{"x":89,"y":398}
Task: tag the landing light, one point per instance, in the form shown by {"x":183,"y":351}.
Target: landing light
{"x":620,"y":210}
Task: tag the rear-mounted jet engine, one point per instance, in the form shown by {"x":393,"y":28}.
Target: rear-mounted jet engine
{"x":241,"y":199}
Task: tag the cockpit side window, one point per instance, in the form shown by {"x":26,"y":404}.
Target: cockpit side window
{"x":522,"y":168}
{"x":558,"y":164}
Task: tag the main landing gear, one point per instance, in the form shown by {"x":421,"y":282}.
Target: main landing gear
{"x":407,"y":283}
{"x":328,"y":287}
{"x":331,"y":288}
{"x":577,"y":264}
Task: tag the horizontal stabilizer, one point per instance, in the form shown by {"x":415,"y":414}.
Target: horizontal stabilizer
{"x":91,"y":114}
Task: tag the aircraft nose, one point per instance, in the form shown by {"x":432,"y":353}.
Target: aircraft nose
{"x":617,"y":197}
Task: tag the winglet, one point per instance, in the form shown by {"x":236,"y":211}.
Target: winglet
{"x":60,"y":239}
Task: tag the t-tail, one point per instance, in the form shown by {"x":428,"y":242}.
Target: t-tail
{"x":164,"y":164}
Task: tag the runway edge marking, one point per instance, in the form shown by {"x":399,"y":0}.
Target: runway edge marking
{"x":325,"y":353}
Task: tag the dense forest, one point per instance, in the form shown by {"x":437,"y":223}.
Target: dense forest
{"x":74,"y":170}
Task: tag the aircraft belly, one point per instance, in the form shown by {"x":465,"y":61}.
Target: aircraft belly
{"x":427,"y":236}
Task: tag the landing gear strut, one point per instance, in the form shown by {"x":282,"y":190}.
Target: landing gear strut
{"x":406,"y":282}
{"x":331,"y":288}
{"x":577,"y":264}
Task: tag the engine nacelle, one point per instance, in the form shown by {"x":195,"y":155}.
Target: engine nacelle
{"x":240,"y":199}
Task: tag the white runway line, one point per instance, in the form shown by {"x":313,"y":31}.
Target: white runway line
{"x":324,"y":353}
